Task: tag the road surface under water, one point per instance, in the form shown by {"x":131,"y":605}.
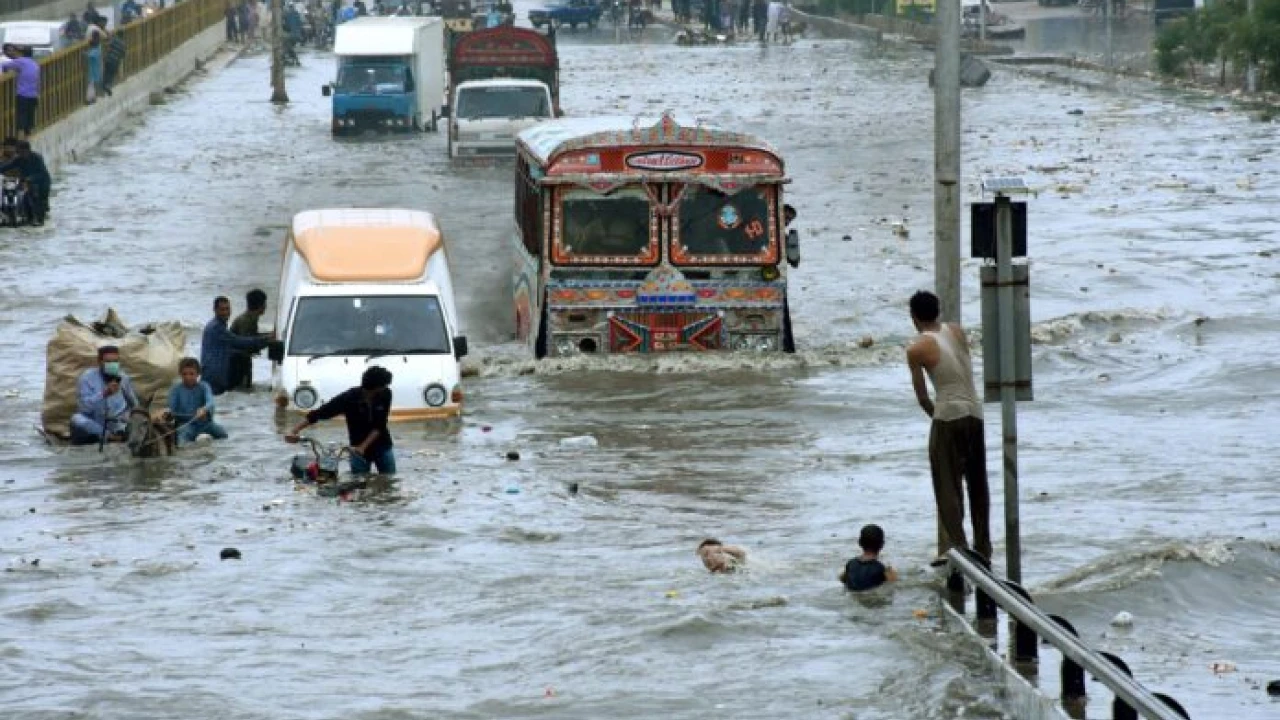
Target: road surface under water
{"x":477,"y":587}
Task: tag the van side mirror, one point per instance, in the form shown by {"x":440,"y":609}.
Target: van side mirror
{"x":275,"y":351}
{"x":460,"y":347}
{"x":326,"y":90}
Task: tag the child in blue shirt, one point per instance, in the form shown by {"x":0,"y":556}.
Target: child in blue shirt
{"x":191,"y":403}
{"x":866,"y":572}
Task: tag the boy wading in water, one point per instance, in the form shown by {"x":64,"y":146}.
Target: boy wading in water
{"x":957,"y":447}
{"x":866,"y":572}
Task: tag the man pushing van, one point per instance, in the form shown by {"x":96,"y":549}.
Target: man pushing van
{"x":366,"y":409}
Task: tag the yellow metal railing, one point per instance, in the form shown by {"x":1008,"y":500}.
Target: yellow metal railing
{"x":64,"y":76}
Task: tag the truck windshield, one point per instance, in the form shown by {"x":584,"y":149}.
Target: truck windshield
{"x":365,"y":325}
{"x":371,"y":79}
{"x":598,"y":227}
{"x":503,"y":102}
{"x":718,"y":228}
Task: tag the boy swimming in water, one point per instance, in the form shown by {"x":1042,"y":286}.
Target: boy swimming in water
{"x":866,"y":572}
{"x":721,"y":558}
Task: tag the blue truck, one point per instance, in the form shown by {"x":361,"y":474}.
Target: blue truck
{"x":390,"y":74}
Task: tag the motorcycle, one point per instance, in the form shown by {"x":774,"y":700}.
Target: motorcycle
{"x":322,"y":467}
{"x":15,"y":203}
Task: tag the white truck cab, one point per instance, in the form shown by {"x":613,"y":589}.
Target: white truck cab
{"x":364,"y":287}
{"x":489,"y":114}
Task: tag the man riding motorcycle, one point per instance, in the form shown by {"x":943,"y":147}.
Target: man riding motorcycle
{"x":34,"y":173}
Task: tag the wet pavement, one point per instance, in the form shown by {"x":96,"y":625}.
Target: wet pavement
{"x":478,"y":587}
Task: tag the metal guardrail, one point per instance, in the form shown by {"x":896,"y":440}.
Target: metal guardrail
{"x":64,"y":76}
{"x":1031,"y":624}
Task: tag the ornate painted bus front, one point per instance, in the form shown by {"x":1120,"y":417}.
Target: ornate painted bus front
{"x":648,"y":237}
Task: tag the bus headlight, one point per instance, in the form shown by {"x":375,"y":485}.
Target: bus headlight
{"x":435,"y":395}
{"x":305,"y":397}
{"x":769,"y":273}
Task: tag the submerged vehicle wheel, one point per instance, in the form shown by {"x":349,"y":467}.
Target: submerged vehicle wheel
{"x":788,"y":340}
{"x":540,"y":345}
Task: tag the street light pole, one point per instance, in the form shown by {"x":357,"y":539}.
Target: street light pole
{"x":278,"y":94}
{"x":1251,"y":73}
{"x":946,"y":158}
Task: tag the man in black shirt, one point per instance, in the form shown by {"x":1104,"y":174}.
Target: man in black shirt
{"x":30,"y":165}
{"x":366,"y":409}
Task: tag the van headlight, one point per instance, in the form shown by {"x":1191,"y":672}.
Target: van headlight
{"x":305,"y":397}
{"x":435,"y":395}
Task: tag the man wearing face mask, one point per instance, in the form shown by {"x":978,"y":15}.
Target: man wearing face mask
{"x":105,"y":398}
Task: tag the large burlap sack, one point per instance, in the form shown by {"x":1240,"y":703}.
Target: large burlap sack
{"x":149,"y":355}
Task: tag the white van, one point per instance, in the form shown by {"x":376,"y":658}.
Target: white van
{"x":364,"y":287}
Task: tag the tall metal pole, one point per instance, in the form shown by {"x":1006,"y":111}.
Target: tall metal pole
{"x":1251,"y":73}
{"x":982,"y":23}
{"x":946,"y":159}
{"x":278,"y":94}
{"x":1108,"y":7}
{"x":1008,"y":389}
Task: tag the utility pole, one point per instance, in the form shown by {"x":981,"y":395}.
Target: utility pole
{"x":946,"y":159}
{"x":1251,"y":73}
{"x":1108,"y":8}
{"x":278,"y":94}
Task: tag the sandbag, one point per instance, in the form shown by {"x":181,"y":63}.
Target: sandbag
{"x":149,"y":355}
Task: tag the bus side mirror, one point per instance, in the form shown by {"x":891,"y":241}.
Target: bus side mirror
{"x":275,"y":351}
{"x":460,"y":347}
{"x":325,"y":90}
{"x":793,"y":248}
{"x":444,"y":111}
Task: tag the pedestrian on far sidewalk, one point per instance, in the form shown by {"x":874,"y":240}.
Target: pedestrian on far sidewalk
{"x":759,"y":17}
{"x":116,"y":49}
{"x":957,"y":447}
{"x":93,"y":58}
{"x":27,"y":90}
{"x":233,"y":22}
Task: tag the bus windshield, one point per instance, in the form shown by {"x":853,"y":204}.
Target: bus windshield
{"x":599,"y":227}
{"x":478,"y":103}
{"x":718,"y":228}
{"x":365,"y":325}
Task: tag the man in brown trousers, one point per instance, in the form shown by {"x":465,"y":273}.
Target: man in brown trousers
{"x":957,"y":447}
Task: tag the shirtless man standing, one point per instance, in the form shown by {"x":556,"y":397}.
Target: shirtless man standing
{"x":957,"y":448}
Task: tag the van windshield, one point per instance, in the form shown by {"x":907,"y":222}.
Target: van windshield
{"x":503,"y":102}
{"x":367,"y":325}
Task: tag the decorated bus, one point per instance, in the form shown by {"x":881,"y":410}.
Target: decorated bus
{"x":638,"y":236}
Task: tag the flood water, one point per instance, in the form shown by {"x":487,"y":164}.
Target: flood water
{"x":477,"y":587}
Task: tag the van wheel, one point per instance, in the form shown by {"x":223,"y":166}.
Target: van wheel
{"x":540,"y":345}
{"x":788,"y":340}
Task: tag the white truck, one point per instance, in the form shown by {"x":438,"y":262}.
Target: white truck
{"x":391,"y":74}
{"x":504,"y":80}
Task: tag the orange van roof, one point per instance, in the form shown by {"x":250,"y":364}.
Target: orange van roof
{"x":366,"y":245}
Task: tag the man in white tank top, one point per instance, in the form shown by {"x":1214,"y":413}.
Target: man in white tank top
{"x":957,"y":447}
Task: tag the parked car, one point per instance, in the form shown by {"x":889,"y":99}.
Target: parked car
{"x":566,"y":12}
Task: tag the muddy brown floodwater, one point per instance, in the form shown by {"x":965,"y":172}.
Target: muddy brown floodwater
{"x":477,"y":587}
